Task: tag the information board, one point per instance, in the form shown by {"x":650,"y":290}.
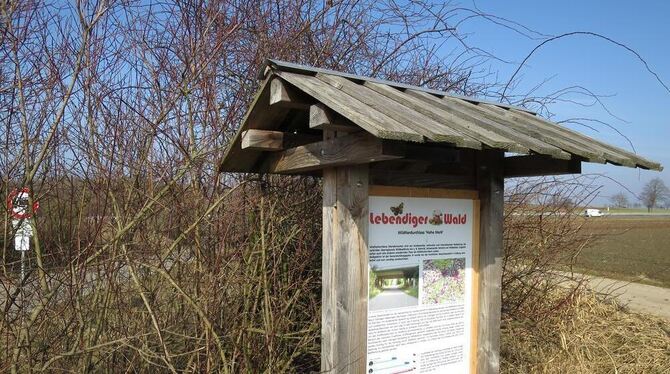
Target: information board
{"x":420,"y":284}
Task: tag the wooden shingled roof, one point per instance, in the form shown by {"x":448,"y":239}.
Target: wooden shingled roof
{"x":296,"y":103}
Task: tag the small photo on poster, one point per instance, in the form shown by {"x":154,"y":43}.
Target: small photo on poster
{"x":443,"y":281}
{"x":393,"y":287}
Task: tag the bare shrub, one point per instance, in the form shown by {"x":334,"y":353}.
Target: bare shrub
{"x":542,"y":235}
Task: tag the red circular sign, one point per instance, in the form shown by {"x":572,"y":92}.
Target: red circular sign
{"x":11,"y":203}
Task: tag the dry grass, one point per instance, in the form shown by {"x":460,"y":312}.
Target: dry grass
{"x":590,"y":336}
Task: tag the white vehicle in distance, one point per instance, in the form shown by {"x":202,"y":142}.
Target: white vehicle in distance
{"x":593,"y":213}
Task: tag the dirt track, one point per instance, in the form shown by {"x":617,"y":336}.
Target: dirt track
{"x":637,"y":297}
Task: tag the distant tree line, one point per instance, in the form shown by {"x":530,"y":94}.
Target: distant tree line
{"x":654,"y":194}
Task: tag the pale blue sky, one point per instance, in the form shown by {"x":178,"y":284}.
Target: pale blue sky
{"x":600,"y":66}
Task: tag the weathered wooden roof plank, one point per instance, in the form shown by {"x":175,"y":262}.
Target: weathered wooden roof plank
{"x":426,"y":126}
{"x":500,"y":124}
{"x":442,"y":121}
{"x":557,"y":132}
{"x":619,"y":152}
{"x":302,"y":101}
{"x":270,"y":65}
{"x":490,"y":138}
{"x":552,"y":138}
{"x":374,"y":122}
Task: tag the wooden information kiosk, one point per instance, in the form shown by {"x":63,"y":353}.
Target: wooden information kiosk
{"x":413,"y":184}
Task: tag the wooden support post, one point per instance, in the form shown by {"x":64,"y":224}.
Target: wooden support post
{"x":490,"y":183}
{"x":345,"y":270}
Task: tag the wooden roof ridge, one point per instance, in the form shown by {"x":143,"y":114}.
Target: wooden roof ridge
{"x":392,"y":122}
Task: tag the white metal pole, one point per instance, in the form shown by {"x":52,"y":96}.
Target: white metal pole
{"x":23,"y":265}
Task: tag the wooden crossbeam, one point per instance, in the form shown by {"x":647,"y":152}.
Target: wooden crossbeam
{"x":410,"y":165}
{"x":420,"y":179}
{"x":322,"y":118}
{"x":269,"y":141}
{"x":351,"y":149}
{"x":539,"y":165}
{"x":259,"y":116}
{"x":281,"y":94}
{"x":263,"y":140}
{"x":438,"y":154}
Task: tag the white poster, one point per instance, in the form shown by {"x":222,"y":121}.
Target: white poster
{"x":420,"y":288}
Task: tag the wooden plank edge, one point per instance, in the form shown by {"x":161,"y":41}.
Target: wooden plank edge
{"x":459,"y":141}
{"x":351,"y":149}
{"x":272,"y":141}
{"x":474,"y":313}
{"x":651,"y":166}
{"x":399,"y":191}
{"x":539,"y":165}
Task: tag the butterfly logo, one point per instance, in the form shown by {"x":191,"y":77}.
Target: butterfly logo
{"x":397,"y":210}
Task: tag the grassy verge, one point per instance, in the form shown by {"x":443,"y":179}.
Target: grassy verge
{"x":589,"y":336}
{"x":632,"y":248}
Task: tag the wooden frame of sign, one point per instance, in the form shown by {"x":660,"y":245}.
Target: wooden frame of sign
{"x":346,"y":192}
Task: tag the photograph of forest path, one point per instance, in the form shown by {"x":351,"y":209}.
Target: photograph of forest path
{"x":393,"y":287}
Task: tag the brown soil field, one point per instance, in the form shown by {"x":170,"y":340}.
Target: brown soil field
{"x":634,"y":248}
